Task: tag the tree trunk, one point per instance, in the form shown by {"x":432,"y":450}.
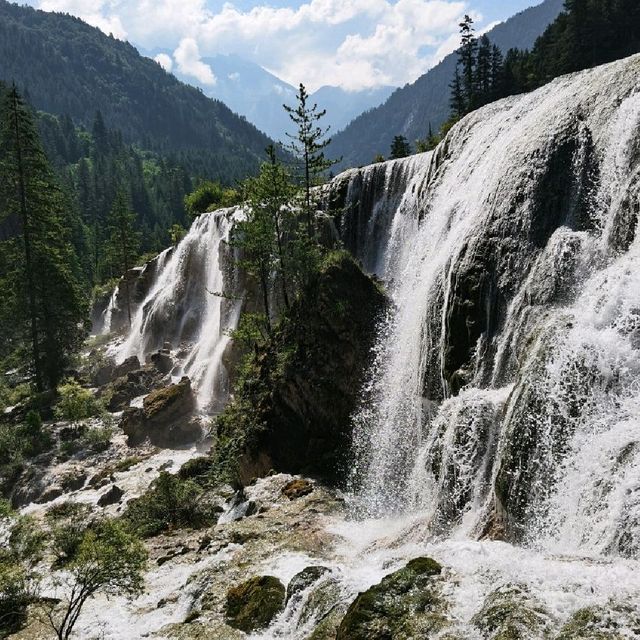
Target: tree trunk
{"x":26,"y":234}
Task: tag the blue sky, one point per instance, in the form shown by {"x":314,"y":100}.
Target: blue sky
{"x":355,"y":44}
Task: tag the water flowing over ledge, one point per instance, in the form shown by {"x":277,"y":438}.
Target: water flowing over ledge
{"x":504,"y":395}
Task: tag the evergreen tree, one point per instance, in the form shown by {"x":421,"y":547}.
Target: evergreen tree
{"x":467,"y":58}
{"x":308,"y":144}
{"x":46,"y":298}
{"x":458,"y":102}
{"x":483,"y":70}
{"x":124,"y":242}
{"x":400,"y":148}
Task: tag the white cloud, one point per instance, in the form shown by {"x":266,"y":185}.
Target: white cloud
{"x":187,"y":57}
{"x":164,"y":61}
{"x":351,"y":43}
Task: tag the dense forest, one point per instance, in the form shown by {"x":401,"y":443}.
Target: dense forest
{"x":588,"y":33}
{"x":64,"y":66}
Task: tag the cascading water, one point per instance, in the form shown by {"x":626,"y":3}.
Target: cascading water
{"x":505,"y":390}
{"x":193,"y":303}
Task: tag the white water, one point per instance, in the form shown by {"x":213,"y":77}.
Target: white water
{"x":569,"y":330}
{"x":184,"y":308}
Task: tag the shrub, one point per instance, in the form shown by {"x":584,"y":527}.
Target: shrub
{"x":75,"y":403}
{"x":18,"y":588}
{"x":170,"y":503}
{"x":209,"y":196}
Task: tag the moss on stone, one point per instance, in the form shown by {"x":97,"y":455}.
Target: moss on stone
{"x":614,"y":621}
{"x":511,"y":613}
{"x":406,"y":604}
{"x":253,"y":604}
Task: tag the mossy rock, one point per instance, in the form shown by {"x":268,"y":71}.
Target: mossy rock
{"x":253,"y":604}
{"x":171,"y":401}
{"x":407,"y":604}
{"x":511,"y":613}
{"x":612,"y":622}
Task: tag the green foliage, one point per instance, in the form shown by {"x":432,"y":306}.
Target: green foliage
{"x":169,"y":503}
{"x":68,"y":524}
{"x":18,"y":588}
{"x":72,"y":68}
{"x":177,"y":232}
{"x":75,"y":403}
{"x":43,"y":313}
{"x":378,"y":158}
{"x":400,"y":148}
{"x":6,"y":510}
{"x":18,"y":443}
{"x":586,"y":34}
{"x":308,"y":144}
{"x":110,"y":560}
{"x":209,"y":196}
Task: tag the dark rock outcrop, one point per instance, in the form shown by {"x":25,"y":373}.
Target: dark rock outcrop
{"x":113,"y":496}
{"x":165,"y":418}
{"x":253,"y":604}
{"x":294,"y":413}
{"x":132,"y":384}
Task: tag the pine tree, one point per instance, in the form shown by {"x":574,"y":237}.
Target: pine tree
{"x":309,"y":144}
{"x":458,"y":103}
{"x":467,"y":55}
{"x":483,"y":72}
{"x":50,"y":310}
{"x":400,"y":148}
{"x":124,"y":242}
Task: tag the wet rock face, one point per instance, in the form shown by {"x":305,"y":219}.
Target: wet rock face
{"x":510,"y":613}
{"x":297,"y":489}
{"x":165,"y":418}
{"x":253,"y":604}
{"x":125,"y":388}
{"x":407,"y":604}
{"x":308,"y":379}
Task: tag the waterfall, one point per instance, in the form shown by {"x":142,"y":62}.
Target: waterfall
{"x":504,"y":395}
{"x":192,"y":304}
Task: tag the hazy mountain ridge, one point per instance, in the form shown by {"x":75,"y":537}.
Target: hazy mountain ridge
{"x":66,"y":66}
{"x":410,"y":109}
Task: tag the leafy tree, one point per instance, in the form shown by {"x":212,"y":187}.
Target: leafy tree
{"x":400,"y":148}
{"x":309,"y":144}
{"x":209,"y":196}
{"x":48,"y":307}
{"x":177,"y":232}
{"x":109,"y":560}
{"x":271,"y":195}
{"x":124,"y":242}
{"x":75,"y":403}
{"x":429,"y":143}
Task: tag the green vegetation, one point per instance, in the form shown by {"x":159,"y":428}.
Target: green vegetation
{"x":170,"y":503}
{"x":75,"y":403}
{"x":108,"y":559}
{"x":209,"y":196}
{"x":253,"y":604}
{"x":18,"y":443}
{"x":43,"y":313}
{"x":588,"y":33}
{"x":400,"y":148}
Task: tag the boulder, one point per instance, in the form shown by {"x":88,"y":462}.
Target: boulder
{"x":407,"y":604}
{"x":252,"y":605}
{"x":297,"y":488}
{"x":113,"y":496}
{"x":165,"y":417}
{"x":303,"y":580}
{"x":129,"y":386}
{"x":162,"y":361}
{"x":130,"y":364}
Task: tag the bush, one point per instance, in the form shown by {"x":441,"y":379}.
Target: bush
{"x":210,"y":196}
{"x":170,"y":503}
{"x":75,"y":403}
{"x":17,"y":591}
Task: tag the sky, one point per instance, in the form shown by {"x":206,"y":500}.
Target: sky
{"x":354,"y":44}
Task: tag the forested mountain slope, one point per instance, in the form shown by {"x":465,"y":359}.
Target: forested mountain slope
{"x":410,"y":109}
{"x":65,"y":66}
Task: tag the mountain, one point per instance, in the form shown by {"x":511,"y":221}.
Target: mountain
{"x":65,"y":66}
{"x":258,"y":95}
{"x":410,"y":109}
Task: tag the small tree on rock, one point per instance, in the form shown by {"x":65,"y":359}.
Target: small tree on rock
{"x":400,"y":148}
